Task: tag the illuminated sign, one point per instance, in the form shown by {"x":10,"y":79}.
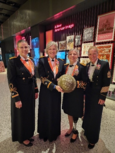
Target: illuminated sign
{"x":59,"y":27}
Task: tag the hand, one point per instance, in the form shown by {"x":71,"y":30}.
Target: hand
{"x":101,"y":102}
{"x":59,"y":89}
{"x":18,"y":104}
{"x":36,"y":95}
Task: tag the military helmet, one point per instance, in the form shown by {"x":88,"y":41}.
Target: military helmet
{"x":67,"y":83}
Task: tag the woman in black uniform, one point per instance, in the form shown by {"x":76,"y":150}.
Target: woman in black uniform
{"x":73,"y":101}
{"x":24,"y":91}
{"x":49,"y":113}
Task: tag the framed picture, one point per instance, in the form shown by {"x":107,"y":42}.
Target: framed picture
{"x":113,"y":78}
{"x":85,"y":47}
{"x":88,"y":34}
{"x":105,"y":27}
{"x":84,"y":60}
{"x":62,"y":45}
{"x":79,"y":50}
{"x":2,"y":67}
{"x":70,"y":42}
{"x":77,"y":40}
{"x":105,"y":53}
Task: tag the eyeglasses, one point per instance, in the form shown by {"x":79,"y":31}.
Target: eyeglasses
{"x":26,"y":47}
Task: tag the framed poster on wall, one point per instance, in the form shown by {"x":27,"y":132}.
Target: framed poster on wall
{"x":88,"y":34}
{"x":113,"y":77}
{"x":105,"y":53}
{"x":85,"y":48}
{"x":62,"y":45}
{"x":105,"y":27}
{"x":84,"y":60}
{"x":77,"y":40}
{"x":70,"y":42}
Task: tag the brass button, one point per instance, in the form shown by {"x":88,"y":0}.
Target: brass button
{"x":52,"y":78}
{"x":22,"y":73}
{"x":23,"y":78}
{"x":48,"y":71}
{"x":97,"y":76}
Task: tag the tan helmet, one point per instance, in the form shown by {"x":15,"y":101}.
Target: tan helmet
{"x":67,"y":83}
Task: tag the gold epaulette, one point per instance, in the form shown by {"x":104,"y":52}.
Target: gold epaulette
{"x":83,"y":64}
{"x":61,"y":59}
{"x":12,"y":57}
{"x":42,"y":56}
{"x":66,"y":64}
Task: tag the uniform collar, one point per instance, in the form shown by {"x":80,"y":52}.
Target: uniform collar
{"x":24,"y":58}
{"x":94,"y":63}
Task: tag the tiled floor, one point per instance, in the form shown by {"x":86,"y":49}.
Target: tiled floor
{"x":106,"y":142}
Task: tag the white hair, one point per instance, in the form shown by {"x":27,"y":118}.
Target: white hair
{"x":50,"y":44}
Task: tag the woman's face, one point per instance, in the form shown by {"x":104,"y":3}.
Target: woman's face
{"x":52,"y":51}
{"x":23,"y":49}
{"x":72,"y":56}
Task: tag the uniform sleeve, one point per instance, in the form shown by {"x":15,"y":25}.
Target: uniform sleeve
{"x":43,"y":77}
{"x":35,"y":81}
{"x":84,"y":78}
{"x":11,"y":75}
{"x":105,"y":81}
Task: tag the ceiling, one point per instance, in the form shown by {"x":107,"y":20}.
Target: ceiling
{"x":8,"y":7}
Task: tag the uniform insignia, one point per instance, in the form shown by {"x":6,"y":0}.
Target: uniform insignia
{"x":61,"y":59}
{"x":83,"y":64}
{"x":104,"y":89}
{"x":98,"y":66}
{"x":31,"y":57}
{"x":13,"y":57}
{"x":66,"y":64}
{"x":108,"y":74}
{"x":42,"y":56}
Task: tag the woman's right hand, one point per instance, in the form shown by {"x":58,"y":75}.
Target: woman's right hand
{"x":59,"y":89}
{"x":18,"y":104}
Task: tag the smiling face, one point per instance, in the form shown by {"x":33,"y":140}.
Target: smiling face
{"x":93,"y":55}
{"x":23,"y":49}
{"x":72,"y":56}
{"x":52,"y":51}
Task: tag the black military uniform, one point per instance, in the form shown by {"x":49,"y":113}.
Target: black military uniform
{"x":73,"y":101}
{"x":95,"y":90}
{"x":23,"y":88}
{"x":49,"y":112}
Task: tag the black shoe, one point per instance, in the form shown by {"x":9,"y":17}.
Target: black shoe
{"x":90,"y":146}
{"x":28,"y":145}
{"x":73,"y":140}
{"x":68,"y":134}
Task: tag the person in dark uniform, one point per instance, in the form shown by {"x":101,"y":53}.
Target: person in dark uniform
{"x":49,"y":112}
{"x":96,"y":91}
{"x":24,"y":91}
{"x":73,"y":101}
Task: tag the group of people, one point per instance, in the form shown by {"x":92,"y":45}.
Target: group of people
{"x":92,"y":81}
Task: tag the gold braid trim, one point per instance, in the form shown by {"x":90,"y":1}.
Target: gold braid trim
{"x":103,"y":95}
{"x":13,"y":89}
{"x":104,"y":89}
{"x":48,"y":84}
{"x":15,"y":95}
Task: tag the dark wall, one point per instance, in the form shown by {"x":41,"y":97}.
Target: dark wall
{"x":7,"y":46}
{"x":33,"y":12}
{"x":83,"y":19}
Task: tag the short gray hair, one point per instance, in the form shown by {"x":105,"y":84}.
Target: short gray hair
{"x":93,"y":47}
{"x":50,"y":44}
{"x":76,"y":50}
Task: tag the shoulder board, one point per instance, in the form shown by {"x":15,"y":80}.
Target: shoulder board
{"x":12,"y":57}
{"x":42,"y":56}
{"x":66,"y":64}
{"x":83,"y":64}
{"x":61,"y":59}
{"x":31,"y":57}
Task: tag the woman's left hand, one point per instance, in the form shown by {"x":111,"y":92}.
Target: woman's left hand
{"x":36,"y":95}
